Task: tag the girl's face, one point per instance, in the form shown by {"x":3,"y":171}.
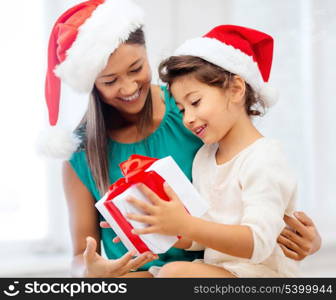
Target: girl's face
{"x":209,"y":112}
{"x":125,"y":81}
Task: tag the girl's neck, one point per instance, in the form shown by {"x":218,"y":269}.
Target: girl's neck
{"x":240,"y":136}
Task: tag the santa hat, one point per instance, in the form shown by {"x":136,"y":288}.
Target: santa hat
{"x":243,"y":51}
{"x":80,"y":45}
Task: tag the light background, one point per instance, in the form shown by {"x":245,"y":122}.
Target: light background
{"x":34,"y":234}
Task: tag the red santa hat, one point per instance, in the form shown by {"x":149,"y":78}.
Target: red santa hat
{"x":80,"y":44}
{"x":243,"y":51}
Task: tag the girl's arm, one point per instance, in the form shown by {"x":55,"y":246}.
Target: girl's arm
{"x":235,"y":240}
{"x":183,"y":243}
{"x":171,"y":218}
{"x":83,"y":219}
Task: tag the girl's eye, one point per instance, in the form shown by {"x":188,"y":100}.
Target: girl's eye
{"x":110,"y":82}
{"x":137,"y":70}
{"x":182,"y":111}
{"x":195,"y":103}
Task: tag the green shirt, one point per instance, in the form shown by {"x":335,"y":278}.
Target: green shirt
{"x":170,"y":138}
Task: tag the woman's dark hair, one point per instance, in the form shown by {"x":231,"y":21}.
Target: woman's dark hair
{"x":99,"y":118}
{"x":208,"y":73}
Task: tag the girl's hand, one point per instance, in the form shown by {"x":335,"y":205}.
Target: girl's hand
{"x":164,"y":217}
{"x":97,"y":266}
{"x":302,"y":239}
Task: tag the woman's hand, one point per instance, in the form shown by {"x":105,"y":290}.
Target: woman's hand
{"x":164,"y":217}
{"x":301,"y":239}
{"x":104,"y":224}
{"x":97,"y":266}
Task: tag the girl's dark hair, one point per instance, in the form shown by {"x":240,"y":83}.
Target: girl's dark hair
{"x":99,"y":118}
{"x":208,"y":73}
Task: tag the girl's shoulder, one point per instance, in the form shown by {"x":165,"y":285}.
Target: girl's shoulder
{"x":205,"y":155}
{"x":266,"y":149}
{"x":267,"y":157}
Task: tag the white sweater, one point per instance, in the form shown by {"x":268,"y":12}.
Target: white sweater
{"x":255,"y":188}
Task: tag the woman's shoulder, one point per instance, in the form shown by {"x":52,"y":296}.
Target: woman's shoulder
{"x":78,"y":157}
{"x":160,"y":90}
{"x":166,"y":96}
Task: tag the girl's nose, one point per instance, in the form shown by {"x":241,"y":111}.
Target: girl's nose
{"x":188,"y":118}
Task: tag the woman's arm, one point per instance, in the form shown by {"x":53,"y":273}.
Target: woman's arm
{"x":301,"y":238}
{"x":83,"y":219}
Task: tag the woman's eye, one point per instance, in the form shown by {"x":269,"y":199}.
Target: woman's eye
{"x":137,"y":70}
{"x":195,"y":103}
{"x":110,"y":82}
{"x":182,"y":111}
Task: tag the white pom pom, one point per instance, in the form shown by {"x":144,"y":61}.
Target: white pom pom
{"x":57,"y":143}
{"x":269,"y":95}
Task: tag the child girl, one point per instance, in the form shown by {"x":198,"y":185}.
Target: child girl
{"x":219,"y":82}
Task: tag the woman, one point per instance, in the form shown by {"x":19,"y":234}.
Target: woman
{"x":98,"y":46}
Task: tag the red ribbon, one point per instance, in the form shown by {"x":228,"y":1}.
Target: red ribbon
{"x":133,"y":170}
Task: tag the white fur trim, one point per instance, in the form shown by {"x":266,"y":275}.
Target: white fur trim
{"x":227,"y":57}
{"x":57,"y":143}
{"x":269,"y":95}
{"x":109,"y":25}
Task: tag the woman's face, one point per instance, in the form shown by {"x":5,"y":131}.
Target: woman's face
{"x":125,"y":81}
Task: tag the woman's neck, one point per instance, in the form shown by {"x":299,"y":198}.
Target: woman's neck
{"x":240,"y":136}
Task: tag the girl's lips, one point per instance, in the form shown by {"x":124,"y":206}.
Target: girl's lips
{"x":199,"y":131}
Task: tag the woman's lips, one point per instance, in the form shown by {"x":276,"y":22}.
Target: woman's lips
{"x":131,"y":98}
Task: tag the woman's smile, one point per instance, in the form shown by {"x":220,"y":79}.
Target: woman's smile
{"x":131,"y":98}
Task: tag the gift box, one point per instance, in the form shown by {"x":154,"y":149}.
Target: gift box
{"x":153,"y":173}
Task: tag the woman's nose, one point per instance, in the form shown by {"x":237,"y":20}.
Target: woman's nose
{"x":128,"y":87}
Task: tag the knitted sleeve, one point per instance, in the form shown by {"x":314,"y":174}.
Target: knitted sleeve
{"x":268,"y":192}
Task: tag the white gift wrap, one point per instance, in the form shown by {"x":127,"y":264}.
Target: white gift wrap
{"x":173,"y":175}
